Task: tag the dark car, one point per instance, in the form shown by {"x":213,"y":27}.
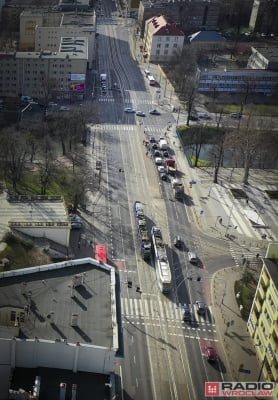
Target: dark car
{"x":177,"y":241}
{"x":165,"y":154}
{"x":201,"y":308}
{"x":210,"y":354}
{"x":163,"y":176}
{"x":193,"y":118}
{"x":154,"y":112}
{"x":235,"y":115}
{"x":155,"y":146}
{"x":187,"y":313}
{"x":152,"y":139}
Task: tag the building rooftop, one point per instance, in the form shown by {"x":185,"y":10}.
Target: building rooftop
{"x":270,"y":53}
{"x":272,"y":266}
{"x":206,"y":36}
{"x":163,"y":27}
{"x":72,"y":301}
{"x":78,"y":19}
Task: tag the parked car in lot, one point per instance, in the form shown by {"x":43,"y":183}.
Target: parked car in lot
{"x":129,"y":110}
{"x":140,"y":114}
{"x":193,"y":259}
{"x":203,"y":116}
{"x":235,"y":115}
{"x":154,"y":112}
{"x":210,"y":354}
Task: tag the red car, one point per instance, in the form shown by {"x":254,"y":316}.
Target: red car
{"x":210,"y":354}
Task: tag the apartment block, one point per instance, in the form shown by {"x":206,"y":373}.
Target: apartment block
{"x":46,"y":73}
{"x":264,"y":16}
{"x":191,"y":16}
{"x":42,"y":31}
{"x":263,"y":319}
{"x":162,"y":39}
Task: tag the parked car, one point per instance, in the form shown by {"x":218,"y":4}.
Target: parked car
{"x":201,"y":307}
{"x":140,"y":114}
{"x":210,"y":354}
{"x":64,"y":108}
{"x":154,"y":112}
{"x":193,"y":259}
{"x":235,"y":115}
{"x":203,"y":116}
{"x":193,"y":118}
{"x":129,"y":110}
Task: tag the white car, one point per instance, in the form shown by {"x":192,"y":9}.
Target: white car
{"x":129,"y":110}
{"x":158,"y":160}
{"x":161,"y":169}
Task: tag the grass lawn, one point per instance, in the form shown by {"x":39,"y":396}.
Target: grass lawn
{"x":254,"y":109}
{"x":246,"y":296}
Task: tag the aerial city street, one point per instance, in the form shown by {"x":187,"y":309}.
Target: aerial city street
{"x":179,"y":239}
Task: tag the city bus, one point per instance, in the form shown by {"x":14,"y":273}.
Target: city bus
{"x":101,"y":253}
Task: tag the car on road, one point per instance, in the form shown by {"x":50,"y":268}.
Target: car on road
{"x":161,"y":169}
{"x":193,"y":118}
{"x":163,"y":176}
{"x":156,"y":153}
{"x":158,"y":160}
{"x":188,"y":313}
{"x":210,"y":354}
{"x":152,"y":139}
{"x":165,"y":154}
{"x":154,"y":112}
{"x":129,"y":110}
{"x":201,"y":307}
{"x":203,"y":116}
{"x":177,"y":241}
{"x":235,"y":115}
{"x":140,"y":114}
{"x":75,"y":222}
{"x":64,"y":108}
{"x":193,"y":259}
{"x":155,"y":146}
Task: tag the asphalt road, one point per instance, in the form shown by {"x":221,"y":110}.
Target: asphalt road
{"x":163,"y":355}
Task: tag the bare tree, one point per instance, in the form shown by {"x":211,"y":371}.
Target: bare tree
{"x":14,"y":154}
{"x":46,"y":166}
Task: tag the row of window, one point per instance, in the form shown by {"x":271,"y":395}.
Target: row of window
{"x":175,"y":45}
{"x":246,"y":79}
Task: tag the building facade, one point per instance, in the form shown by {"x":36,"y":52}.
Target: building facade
{"x":162,"y":39}
{"x":264,"y":16}
{"x":44,"y":74}
{"x":238,"y":81}
{"x":263,"y":319}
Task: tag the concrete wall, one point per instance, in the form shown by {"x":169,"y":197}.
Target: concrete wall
{"x":33,"y":353}
{"x":59,"y":235}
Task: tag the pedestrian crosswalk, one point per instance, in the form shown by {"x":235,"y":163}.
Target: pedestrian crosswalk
{"x":130,"y":101}
{"x":155,"y":310}
{"x":129,"y":128}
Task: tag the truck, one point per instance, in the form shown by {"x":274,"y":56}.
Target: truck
{"x":171,"y":166}
{"x":142,"y":230}
{"x":103,"y":78}
{"x":178,"y":188}
{"x":163,"y":145}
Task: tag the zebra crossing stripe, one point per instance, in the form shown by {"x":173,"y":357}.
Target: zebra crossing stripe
{"x":146,"y":308}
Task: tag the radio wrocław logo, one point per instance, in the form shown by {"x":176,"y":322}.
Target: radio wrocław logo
{"x":237,"y":389}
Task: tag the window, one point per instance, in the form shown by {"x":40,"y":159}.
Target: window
{"x":13,"y":315}
{"x":167,"y":39}
{"x":175,"y":45}
{"x":166,"y":45}
{"x":158,"y":46}
{"x":157,"y":52}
